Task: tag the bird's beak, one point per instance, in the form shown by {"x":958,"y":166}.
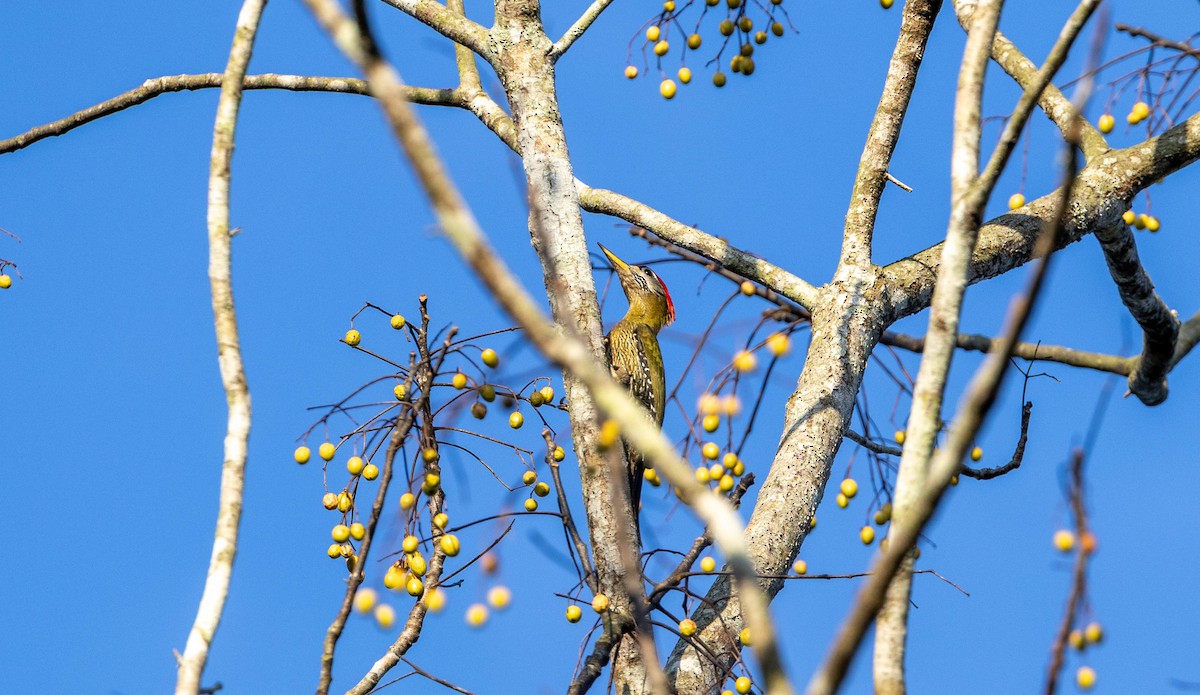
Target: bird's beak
{"x":618,"y":265}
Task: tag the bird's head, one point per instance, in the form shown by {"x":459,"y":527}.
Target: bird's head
{"x":648,"y":297}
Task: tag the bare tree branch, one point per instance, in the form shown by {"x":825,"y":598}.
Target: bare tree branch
{"x":229,"y":357}
{"x":969,"y":194}
{"x":1160,"y":326}
{"x":578,"y":28}
{"x":1056,"y":106}
{"x":447,"y":22}
{"x":884,"y":133}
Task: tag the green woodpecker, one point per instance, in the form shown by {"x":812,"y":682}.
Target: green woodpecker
{"x":633,"y":351}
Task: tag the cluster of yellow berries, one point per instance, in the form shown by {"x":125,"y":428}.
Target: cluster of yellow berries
{"x":719,"y":473}
{"x":540,"y":489}
{"x":1141,"y":221}
{"x":600,"y":604}
{"x":1080,"y":639}
{"x":741,"y":63}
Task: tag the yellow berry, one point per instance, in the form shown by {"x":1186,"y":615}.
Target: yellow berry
{"x":441,"y":519}
{"x":450,"y":544}
{"x":407,"y":500}
{"x":417,"y":564}
{"x":302,"y":454}
{"x":435,"y":600}
{"x":719,"y":79}
{"x":385,"y":616}
{"x":477,"y":615}
{"x":490,"y":358}
{"x":1106,"y":123}
{"x":397,"y":321}
{"x":745,"y":361}
{"x":559,"y":453}
{"x":725,"y":483}
{"x":499,"y":597}
{"x":410,"y":544}
{"x":900,"y":437}
{"x":459,"y":380}
{"x":842,"y":500}
{"x":849,"y":488}
{"x":709,"y":404}
{"x":345,"y":501}
{"x":812,"y":523}
{"x":667,"y":89}
{"x":536,"y":400}
{"x":355,"y":465}
{"x":954,"y":479}
{"x":541,"y":489}
{"x":742,"y":685}
{"x":745,"y":24}
{"x":801,"y":567}
{"x":353,"y":337}
{"x":1085,"y":677}
{"x":357,"y":531}
{"x":1152,"y":223}
{"x":340,"y":533}
{"x":669,"y":5}
{"x":529,"y":477}
{"x":867,"y":534}
{"x":1140,"y":111}
{"x":1128,"y":216}
{"x":364,"y":599}
{"x":747,"y":66}
{"x":414,"y":586}
{"x":1075,"y":639}
{"x":726,"y":27}
{"x":777,"y":28}
{"x":661,"y":48}
{"x":779,"y":344}
{"x":1140,"y":221}
{"x":487,"y":392}
{"x":5,"y":281}
{"x":886,"y":4}
{"x":516,"y":419}
{"x":707,"y":564}
{"x":710,"y":451}
{"x":653,"y":33}
{"x":738,"y":468}
{"x":547,"y":394}
{"x":531,"y":505}
{"x":744,"y":636}
{"x":651,"y":477}
{"x":610,"y":431}
{"x":687,"y":627}
{"x":396,"y":577}
{"x":760,"y":37}
{"x":685,"y":75}
{"x":329,"y":501}
{"x":733,"y":4}
{"x":1064,"y":540}
{"x":702,"y":475}
{"x":326,"y":451}
{"x":399,"y":391}
{"x":710,"y":423}
{"x":884,"y":514}
{"x":631,"y":71}
{"x":976,"y":453}
{"x":694,"y":41}
{"x":1093,"y":633}
{"x":335,"y":550}
{"x":1015,"y":201}
{"x":574,"y":613}
{"x":600,"y":603}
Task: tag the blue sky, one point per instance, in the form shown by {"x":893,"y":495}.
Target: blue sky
{"x":113,"y":414}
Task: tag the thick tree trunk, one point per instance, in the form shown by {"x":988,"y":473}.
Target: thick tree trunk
{"x":845,"y":328}
{"x":556,"y":226}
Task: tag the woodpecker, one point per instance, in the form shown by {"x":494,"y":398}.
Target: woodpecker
{"x":633,"y":351}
